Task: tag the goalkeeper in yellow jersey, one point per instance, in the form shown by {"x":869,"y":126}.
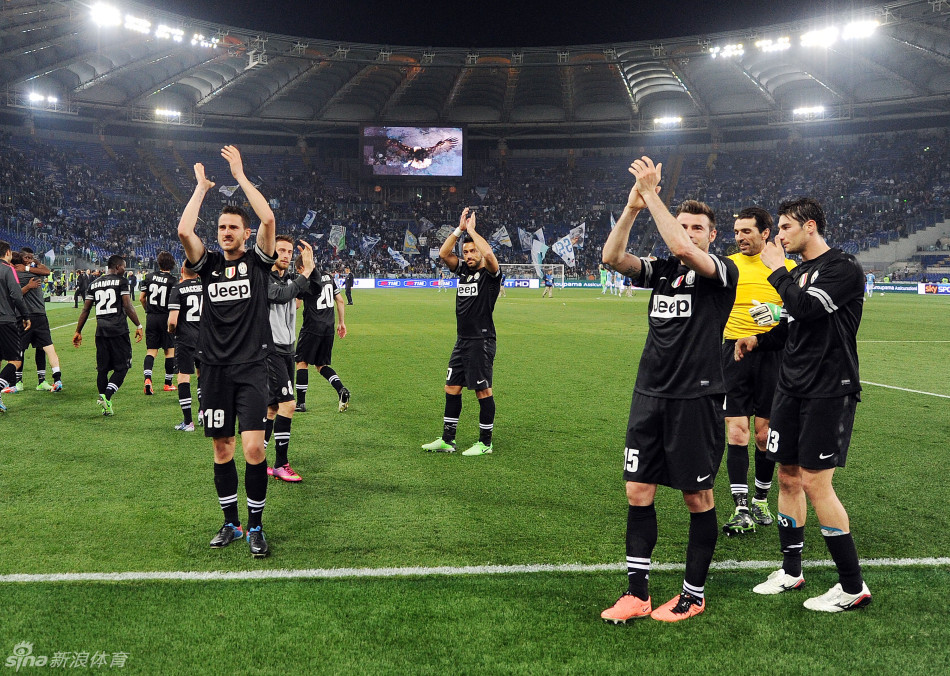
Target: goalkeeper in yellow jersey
{"x":750,"y":386}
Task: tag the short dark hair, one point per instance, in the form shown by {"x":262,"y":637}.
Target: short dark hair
{"x":698,"y":208}
{"x":26,"y":249}
{"x":284,"y":238}
{"x":238,"y":211}
{"x":165,"y":261}
{"x":4,"y":247}
{"x":763,"y":219}
{"x":114,"y":261}
{"x":17,"y":258}
{"x":802,"y":209}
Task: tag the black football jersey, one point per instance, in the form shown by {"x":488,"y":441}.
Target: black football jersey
{"x":688,"y":313}
{"x":157,"y":287}
{"x":318,"y":305}
{"x":106,"y":293}
{"x":187,"y":298}
{"x":475,"y":301}
{"x":824,"y":298}
{"x":234,"y":328}
{"x":34,"y":297}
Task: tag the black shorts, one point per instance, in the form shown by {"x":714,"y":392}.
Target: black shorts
{"x":10,"y":341}
{"x":674,"y":442}
{"x":157,"y":336}
{"x":185,"y":361}
{"x":38,"y":335}
{"x":233,"y":393}
{"x":811,"y":433}
{"x":280,"y":379}
{"x":750,"y":383}
{"x":471,"y":363}
{"x":315,"y":350}
{"x":113,"y":353}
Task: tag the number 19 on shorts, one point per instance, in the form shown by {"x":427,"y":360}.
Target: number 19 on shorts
{"x":214,"y":418}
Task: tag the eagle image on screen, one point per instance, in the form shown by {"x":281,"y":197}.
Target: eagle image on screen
{"x":413,"y":151}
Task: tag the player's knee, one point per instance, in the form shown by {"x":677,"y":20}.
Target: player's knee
{"x":453,"y":389}
{"x":483,"y":394}
{"x":286,"y":408}
{"x":789,"y":478}
{"x":640,"y":495}
{"x":817,"y":483}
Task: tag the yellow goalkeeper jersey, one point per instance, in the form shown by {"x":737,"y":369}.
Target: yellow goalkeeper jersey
{"x":753,"y":284}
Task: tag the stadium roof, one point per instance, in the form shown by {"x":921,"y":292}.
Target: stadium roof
{"x":130,"y":62}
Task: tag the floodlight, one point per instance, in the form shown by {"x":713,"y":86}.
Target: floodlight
{"x":777,"y":45}
{"x":859,"y":29}
{"x":167,"y":114}
{"x":52,"y":99}
{"x":167,"y":32}
{"x":138,"y":25}
{"x":36,"y":98}
{"x":105,"y":15}
{"x":824,"y":37}
{"x":812,"y":110}
{"x":727,"y":51}
{"x":667,"y":121}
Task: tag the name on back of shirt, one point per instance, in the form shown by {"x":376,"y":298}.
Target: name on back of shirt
{"x":107,"y":282}
{"x":239,"y":289}
{"x":670,"y":307}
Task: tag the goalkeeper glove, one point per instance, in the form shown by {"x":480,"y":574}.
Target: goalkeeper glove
{"x":765,"y":314}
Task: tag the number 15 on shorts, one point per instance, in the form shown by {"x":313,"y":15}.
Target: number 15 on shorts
{"x":631,"y":459}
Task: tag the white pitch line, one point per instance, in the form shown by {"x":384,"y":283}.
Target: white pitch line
{"x":904,"y":341}
{"x":904,"y":389}
{"x":336,"y":573}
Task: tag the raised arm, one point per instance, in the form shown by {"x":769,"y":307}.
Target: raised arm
{"x":447,"y":251}
{"x":194,"y":247}
{"x":484,"y":248}
{"x":672,"y":232}
{"x":268,"y":231}
{"x":615,"y":252}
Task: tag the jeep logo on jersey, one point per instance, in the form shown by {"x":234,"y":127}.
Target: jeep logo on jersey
{"x":229,"y":272}
{"x":468,"y":289}
{"x":222,"y":292}
{"x":670,"y":307}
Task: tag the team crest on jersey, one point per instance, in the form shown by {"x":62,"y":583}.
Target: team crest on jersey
{"x":229,"y":271}
{"x":678,"y":281}
{"x":476,"y":276}
{"x":690,"y":278}
{"x":803,"y":280}
{"x":242,"y":268}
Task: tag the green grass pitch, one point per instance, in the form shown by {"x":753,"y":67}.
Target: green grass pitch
{"x":83,"y":493}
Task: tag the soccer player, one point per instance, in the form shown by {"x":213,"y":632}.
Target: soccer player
{"x":315,"y":344}
{"x":502,"y":292}
{"x":675,"y":435}
{"x":604,"y":273}
{"x":548,"y":285}
{"x":869,"y":284}
{"x":473,"y":357}
{"x":750,"y":383}
{"x":282,"y":289}
{"x":38,"y":336}
{"x":184,"y":317}
{"x":114,"y":309}
{"x":818,"y":390}
{"x":442,"y":286}
{"x":348,"y":285}
{"x":13,"y":312}
{"x":232,"y":346}
{"x":156,"y":290}
{"x":82,"y":285}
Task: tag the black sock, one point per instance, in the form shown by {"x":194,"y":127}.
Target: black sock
{"x":115,"y":382}
{"x":737,"y":466}
{"x":102,"y":381}
{"x":268,"y":430}
{"x":792,"y":540}
{"x":184,"y":400}
{"x":303,"y":378}
{"x":450,"y":422}
{"x":169,"y":369}
{"x":332,"y":378}
{"x":7,"y":376}
{"x":486,"y":419}
{"x":40,"y":359}
{"x":255,"y":485}
{"x":845,"y":555}
{"x":641,"y":539}
{"x":703,"y":532}
{"x":149,"y":364}
{"x":764,"y":469}
{"x":225,"y":483}
{"x":281,"y":440}
{"x":57,"y":374}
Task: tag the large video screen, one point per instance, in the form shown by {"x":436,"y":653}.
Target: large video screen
{"x":413,"y":151}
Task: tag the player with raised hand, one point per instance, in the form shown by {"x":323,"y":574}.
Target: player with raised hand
{"x":815,"y":400}
{"x":675,"y":435}
{"x":233,"y":340}
{"x":472,"y":360}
